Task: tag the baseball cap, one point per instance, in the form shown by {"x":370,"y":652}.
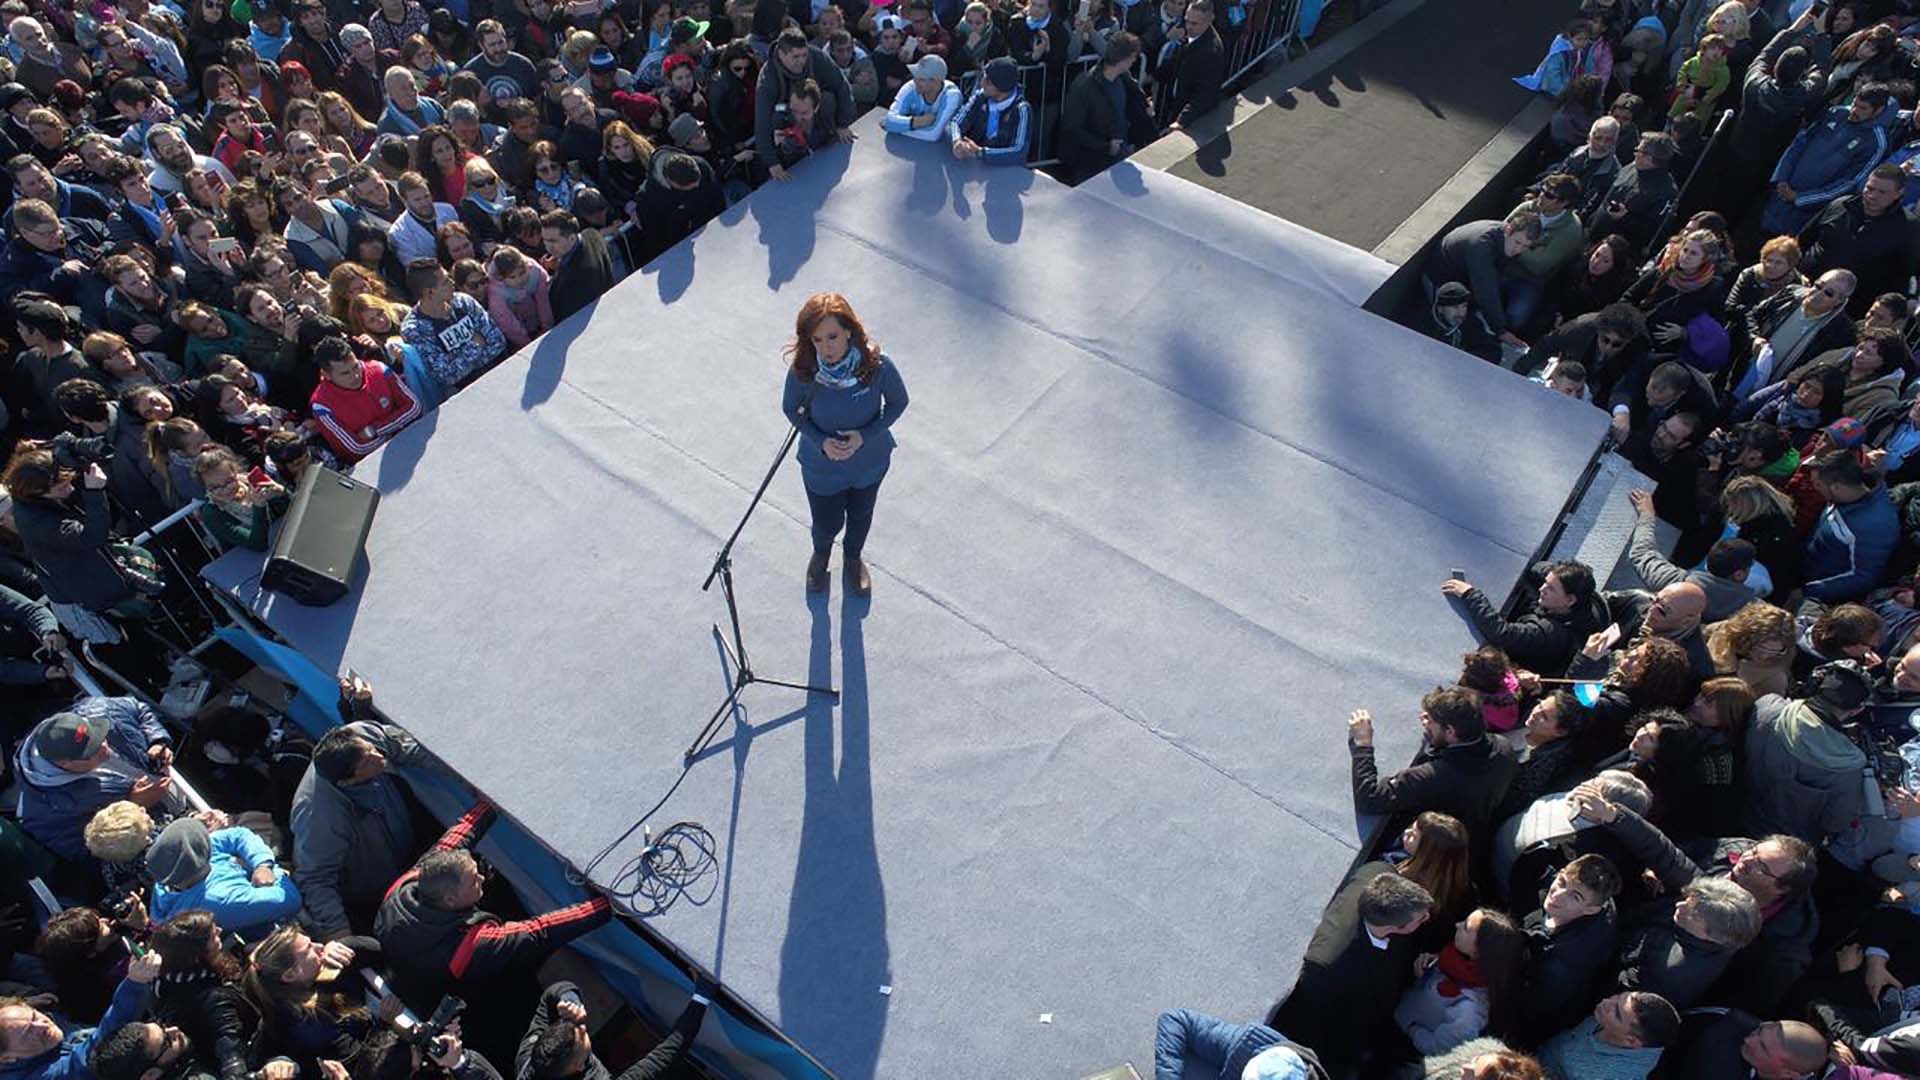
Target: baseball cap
{"x":1846,"y":433}
{"x":1452,"y":293}
{"x":67,"y":737}
{"x":930,"y":66}
{"x":602,"y":59}
{"x":685,"y":30}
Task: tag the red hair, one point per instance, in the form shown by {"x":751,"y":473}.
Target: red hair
{"x":818,"y":308}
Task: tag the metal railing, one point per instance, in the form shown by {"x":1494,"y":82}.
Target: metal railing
{"x":1270,"y":25}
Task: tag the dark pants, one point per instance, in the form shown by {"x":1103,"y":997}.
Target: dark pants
{"x":852,"y":508}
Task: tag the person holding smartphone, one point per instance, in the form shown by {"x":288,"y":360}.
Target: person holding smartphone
{"x":844,"y":395}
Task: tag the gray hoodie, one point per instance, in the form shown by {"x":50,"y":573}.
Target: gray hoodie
{"x":1724,"y":595}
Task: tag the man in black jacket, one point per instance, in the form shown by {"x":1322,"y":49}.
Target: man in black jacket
{"x":1799,"y":323}
{"x":1782,"y":89}
{"x":1866,"y":233}
{"x":1359,"y":961}
{"x":583,"y":268}
{"x":1639,"y":194}
{"x":681,"y":195}
{"x":1573,"y":934}
{"x":1566,"y":611}
{"x":790,"y":62}
{"x":1609,"y":343}
{"x":437,"y":938}
{"x":1738,"y":1045}
{"x":1106,"y":116}
{"x":1476,"y":254}
{"x":1459,"y":770}
{"x":1195,"y":69}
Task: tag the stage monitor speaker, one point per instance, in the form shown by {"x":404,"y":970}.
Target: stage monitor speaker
{"x":322,"y":537}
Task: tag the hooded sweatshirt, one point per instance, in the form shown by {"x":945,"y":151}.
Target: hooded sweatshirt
{"x":1803,"y":777}
{"x":54,"y":804}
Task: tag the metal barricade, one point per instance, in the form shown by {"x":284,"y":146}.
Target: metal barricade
{"x":1043,"y":138}
{"x":1270,"y":25}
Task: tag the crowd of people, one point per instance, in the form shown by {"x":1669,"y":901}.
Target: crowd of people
{"x":237,"y":942}
{"x":242,"y":240}
{"x":1669,"y":830}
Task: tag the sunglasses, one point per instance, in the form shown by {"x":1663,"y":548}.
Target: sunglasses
{"x":486,"y":181}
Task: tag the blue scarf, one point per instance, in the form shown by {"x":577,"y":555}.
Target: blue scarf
{"x":996,"y":108}
{"x":561,"y":192}
{"x":839,"y":376}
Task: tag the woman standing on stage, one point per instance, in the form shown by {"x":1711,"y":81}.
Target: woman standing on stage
{"x":843,"y":394}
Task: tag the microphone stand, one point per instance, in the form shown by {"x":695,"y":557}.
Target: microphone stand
{"x":743,"y":675}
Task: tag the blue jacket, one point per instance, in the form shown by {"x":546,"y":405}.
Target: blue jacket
{"x":55,"y":805}
{"x":227,"y":891}
{"x":1008,"y":143}
{"x":1851,"y":546}
{"x":70,"y":1060}
{"x":821,"y":411}
{"x":1832,"y":156}
{"x":908,"y":104}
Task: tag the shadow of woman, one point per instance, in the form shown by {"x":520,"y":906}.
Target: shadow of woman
{"x":835,"y":957}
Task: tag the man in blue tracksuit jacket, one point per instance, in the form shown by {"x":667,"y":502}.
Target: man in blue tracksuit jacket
{"x":993,"y":124}
{"x":32,"y":1046}
{"x":1851,"y":546}
{"x":1829,"y":158}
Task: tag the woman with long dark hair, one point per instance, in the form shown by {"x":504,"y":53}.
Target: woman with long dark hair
{"x":1591,"y":283}
{"x":843,"y":394}
{"x":1471,"y":986}
{"x":1437,"y":851}
{"x":198,"y":990}
{"x":439,"y":157}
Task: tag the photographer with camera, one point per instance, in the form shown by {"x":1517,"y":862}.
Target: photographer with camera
{"x":426,"y":1054}
{"x":65,"y":524}
{"x":116,"y":439}
{"x":558,"y":1045}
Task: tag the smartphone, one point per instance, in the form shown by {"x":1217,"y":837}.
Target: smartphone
{"x":221,"y":245}
{"x":1457,"y":574}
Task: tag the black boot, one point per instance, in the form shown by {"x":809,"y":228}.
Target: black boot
{"x":817,"y":572}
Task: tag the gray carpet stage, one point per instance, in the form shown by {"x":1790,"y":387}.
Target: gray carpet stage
{"x":1166,"y":506}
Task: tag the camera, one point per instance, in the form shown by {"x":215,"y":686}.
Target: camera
{"x":427,"y":1034}
{"x":1722,"y":443}
{"x":76,"y":452}
{"x":117,"y":906}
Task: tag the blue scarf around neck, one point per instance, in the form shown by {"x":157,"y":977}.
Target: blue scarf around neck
{"x":839,"y":376}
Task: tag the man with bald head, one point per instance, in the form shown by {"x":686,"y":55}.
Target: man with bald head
{"x":1674,"y":613}
{"x":1740,"y":1045}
